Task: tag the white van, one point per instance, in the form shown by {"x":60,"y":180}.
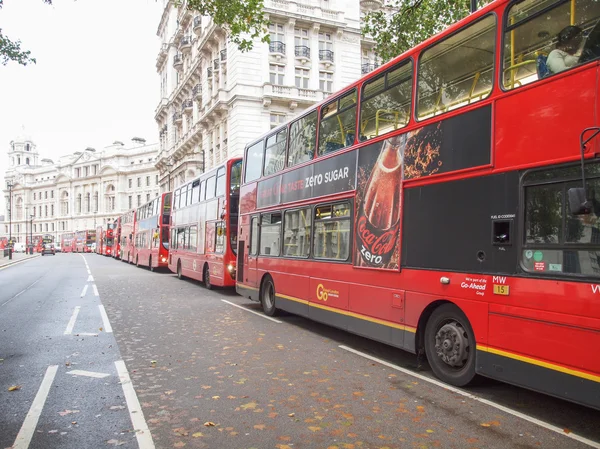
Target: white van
{"x":19,"y":247}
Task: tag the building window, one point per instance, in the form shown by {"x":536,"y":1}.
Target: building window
{"x":139,"y":182}
{"x":45,"y":211}
{"x":78,"y":204}
{"x":326,"y":81}
{"x":95,"y":168}
{"x":46,"y":227}
{"x":52,"y":226}
{"x":95,"y":201}
{"x":139,"y":200}
{"x":51,"y":193}
{"x":77,"y":172}
{"x":34,"y":228}
{"x":276,"y":74}
{"x":40,"y":211}
{"x":277,"y":119}
{"x":86,"y":171}
{"x":130,"y":202}
{"x":277,"y":32}
{"x":156,"y":180}
{"x":27,"y":161}
{"x":148,"y":181}
{"x":52,"y":210}
{"x":88,"y":204}
{"x":302,"y":77}
{"x":301,"y":37}
{"x":147,"y":197}
{"x":34,"y":196}
{"x":130,"y":183}
{"x":325,"y":42}
{"x":46,"y":195}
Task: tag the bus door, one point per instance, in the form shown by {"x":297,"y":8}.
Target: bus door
{"x":250,"y":270}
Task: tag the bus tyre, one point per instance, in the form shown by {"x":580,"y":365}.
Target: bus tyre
{"x":137,"y":261}
{"x":150,"y":264}
{"x":450,"y":345}
{"x":206,"y":277}
{"x":179,"y":273}
{"x":267,"y":297}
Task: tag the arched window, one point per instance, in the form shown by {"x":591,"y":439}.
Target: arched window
{"x":27,"y":161}
{"x":27,"y":148}
{"x":18,"y":161}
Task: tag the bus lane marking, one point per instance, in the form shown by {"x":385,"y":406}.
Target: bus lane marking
{"x":466,"y":394}
{"x":107,"y":326}
{"x":252,"y":311}
{"x":95,"y":290}
{"x":142,"y":432}
{"x":84,"y":291}
{"x":90,"y":278}
{"x":78,"y":372}
{"x":28,"y":428}
{"x":71,"y":324}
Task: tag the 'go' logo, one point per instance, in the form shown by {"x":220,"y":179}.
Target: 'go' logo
{"x":321,"y":293}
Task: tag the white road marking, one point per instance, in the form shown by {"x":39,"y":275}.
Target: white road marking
{"x":16,"y":263}
{"x":71,"y":324}
{"x":89,"y":272}
{"x":87,"y":334}
{"x":107,"y":326}
{"x":21,"y":292}
{"x":252,"y":311}
{"x":84,"y":291}
{"x":78,"y":372}
{"x":95,"y":289}
{"x":142,"y":433}
{"x":464,"y":393}
{"x":28,"y":428}
{"x":90,"y":278}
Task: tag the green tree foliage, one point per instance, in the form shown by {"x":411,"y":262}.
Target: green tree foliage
{"x":11,"y":50}
{"x":402,"y":24}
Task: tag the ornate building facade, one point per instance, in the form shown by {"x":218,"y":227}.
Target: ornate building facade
{"x":82,"y":190}
{"x":215,"y":98}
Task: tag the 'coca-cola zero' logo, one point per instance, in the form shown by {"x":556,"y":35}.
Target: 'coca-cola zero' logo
{"x":377,"y":245}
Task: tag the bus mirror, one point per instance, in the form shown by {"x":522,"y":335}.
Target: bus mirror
{"x":578,"y":203}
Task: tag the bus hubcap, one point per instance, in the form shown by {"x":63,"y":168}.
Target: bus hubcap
{"x":269,"y":296}
{"x":452,"y":345}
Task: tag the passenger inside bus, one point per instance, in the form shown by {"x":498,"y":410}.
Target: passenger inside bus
{"x":565,"y":55}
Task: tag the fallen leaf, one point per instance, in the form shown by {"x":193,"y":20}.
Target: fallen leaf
{"x":68,"y":412}
{"x":209,"y":424}
{"x":205,"y":387}
{"x":73,"y":422}
{"x":14,"y":388}
{"x":230,"y":397}
{"x":283,"y":446}
{"x":68,"y":364}
{"x":291,"y":415}
{"x":100,"y":329}
{"x":484,"y":424}
{"x":259,"y":426}
{"x":197,"y":434}
{"x":358,"y":393}
{"x":169,"y":392}
{"x":249,"y":405}
{"x":181,"y":431}
{"x":314,"y":428}
{"x":566,"y":431}
{"x":179,"y":444}
{"x":115,"y":442}
{"x":216,"y":397}
{"x":420,"y":408}
{"x":429,"y":431}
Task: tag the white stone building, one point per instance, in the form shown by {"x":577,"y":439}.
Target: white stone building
{"x":215,"y":99}
{"x":81,"y":191}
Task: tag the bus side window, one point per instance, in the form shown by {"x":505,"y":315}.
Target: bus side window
{"x":337,"y":127}
{"x":457,"y":71}
{"x":254,"y":161}
{"x":386,"y":102}
{"x":254,"y":237}
{"x":303,"y":136}
{"x":530,"y":38}
{"x":275,"y":152}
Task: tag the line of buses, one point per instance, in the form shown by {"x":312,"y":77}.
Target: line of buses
{"x":446,"y":204}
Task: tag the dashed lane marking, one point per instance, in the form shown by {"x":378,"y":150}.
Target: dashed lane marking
{"x":84,"y":291}
{"x":71,"y":324}
{"x":473,"y":397}
{"x":107,"y":326}
{"x":95,"y":290}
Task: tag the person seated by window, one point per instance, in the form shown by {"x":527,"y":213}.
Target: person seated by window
{"x":564,"y":57}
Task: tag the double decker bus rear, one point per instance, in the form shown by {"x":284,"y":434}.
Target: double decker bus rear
{"x":67,"y":242}
{"x":204,"y":226}
{"x":438,"y":204}
{"x":85,"y":240}
{"x":105,"y":239}
{"x":151,"y":245}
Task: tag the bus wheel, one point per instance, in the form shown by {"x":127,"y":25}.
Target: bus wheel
{"x":179,"y":273}
{"x":206,"y":277}
{"x":150,"y":264}
{"x":267,"y":297}
{"x":450,"y":345}
{"x":137,"y":261}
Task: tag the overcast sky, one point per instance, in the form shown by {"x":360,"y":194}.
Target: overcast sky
{"x":95,"y":79}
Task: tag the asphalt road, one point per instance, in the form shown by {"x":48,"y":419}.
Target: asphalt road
{"x":209,"y":373}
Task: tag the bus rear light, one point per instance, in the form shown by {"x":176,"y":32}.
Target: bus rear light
{"x":231,"y":269}
{"x":164,"y":259}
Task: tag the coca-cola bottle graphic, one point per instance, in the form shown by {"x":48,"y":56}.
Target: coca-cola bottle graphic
{"x":379,"y":215}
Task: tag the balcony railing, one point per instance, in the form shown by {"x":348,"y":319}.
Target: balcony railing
{"x":197,"y":91}
{"x":223,"y":55}
{"x":197,"y":27}
{"x":186,"y":44}
{"x":325,"y":55}
{"x":209,"y":72}
{"x":277,"y":47}
{"x":177,"y":118}
{"x":216,"y":64}
{"x":177,"y":61}
{"x":187,"y":105}
{"x":302,"y":51}
{"x":368,"y":67}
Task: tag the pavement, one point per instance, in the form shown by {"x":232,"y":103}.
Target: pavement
{"x":16,"y":258}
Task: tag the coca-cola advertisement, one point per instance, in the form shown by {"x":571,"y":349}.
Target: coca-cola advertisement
{"x":456,"y":143}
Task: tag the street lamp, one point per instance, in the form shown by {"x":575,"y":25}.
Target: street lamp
{"x":10,"y":244}
{"x":169,"y":167}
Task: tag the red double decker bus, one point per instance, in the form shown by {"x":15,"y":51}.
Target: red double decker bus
{"x":67,"y":242}
{"x":126,"y":241}
{"x":116,"y":252}
{"x":85,"y":240}
{"x":437,"y":204}
{"x":204,"y":226}
{"x":151,"y":241}
{"x":105,"y":239}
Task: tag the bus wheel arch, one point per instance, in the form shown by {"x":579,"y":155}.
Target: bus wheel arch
{"x":267,"y":295}
{"x":446,"y":336}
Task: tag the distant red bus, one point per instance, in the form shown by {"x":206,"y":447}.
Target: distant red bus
{"x":84,"y":240}
{"x":151,"y":245}
{"x":204,"y":226}
{"x":105,"y":239}
{"x":3,"y":242}
{"x":126,"y":240}
{"x":116,"y":251}
{"x":439,"y":204}
{"x":67,"y":242}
